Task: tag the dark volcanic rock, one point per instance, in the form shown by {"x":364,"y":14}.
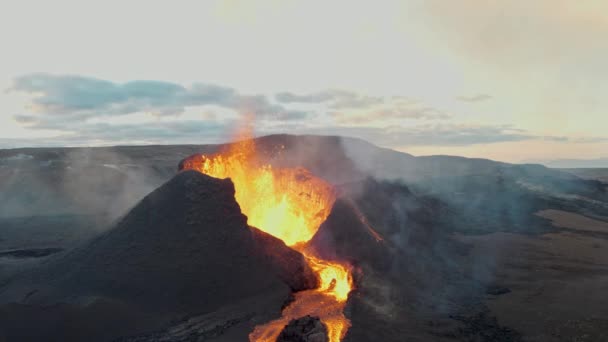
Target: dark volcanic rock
{"x":345,"y":236}
{"x":372,"y":221}
{"x":185,"y":248}
{"x":30,"y":253}
{"x":305,"y":329}
{"x":286,"y":263}
{"x":497,"y":290}
{"x":482,"y":327}
{"x":396,"y":212}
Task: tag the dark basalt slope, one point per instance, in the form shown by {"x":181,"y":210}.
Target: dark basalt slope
{"x":184,"y":249}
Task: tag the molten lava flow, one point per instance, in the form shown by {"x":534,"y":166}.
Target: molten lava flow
{"x":289,"y":204}
{"x":363,"y":220}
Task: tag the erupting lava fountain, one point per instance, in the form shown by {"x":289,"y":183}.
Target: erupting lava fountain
{"x":290,"y":204}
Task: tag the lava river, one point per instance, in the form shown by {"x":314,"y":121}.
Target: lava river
{"x":289,"y":204}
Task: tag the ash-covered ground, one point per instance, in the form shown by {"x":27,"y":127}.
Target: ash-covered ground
{"x":113,"y":244}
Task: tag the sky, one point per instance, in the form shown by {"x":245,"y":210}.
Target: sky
{"x":515,"y":81}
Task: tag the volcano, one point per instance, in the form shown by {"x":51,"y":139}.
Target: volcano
{"x":290,"y":204}
{"x":388,"y":247}
{"x":184,"y":249}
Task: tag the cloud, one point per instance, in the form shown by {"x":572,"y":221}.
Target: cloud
{"x":87,"y":111}
{"x":70,"y":104}
{"x":259,"y":106}
{"x":78,"y":97}
{"x":346,"y":107}
{"x":186,"y":130}
{"x":474,"y":98}
{"x":287,"y":97}
{"x":396,"y":113}
{"x":590,"y":140}
{"x":200,"y":131}
{"x":495,"y":31}
{"x":426,"y":135}
{"x":453,"y":135}
{"x":81,"y":110}
{"x":26,"y":119}
{"x":159,"y":132}
{"x":336,"y":99}
{"x":555,"y":138}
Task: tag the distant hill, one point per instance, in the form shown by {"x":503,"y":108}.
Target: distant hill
{"x":575,"y":163}
{"x":600,"y":174}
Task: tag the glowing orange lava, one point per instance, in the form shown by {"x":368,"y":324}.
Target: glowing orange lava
{"x":289,"y":204}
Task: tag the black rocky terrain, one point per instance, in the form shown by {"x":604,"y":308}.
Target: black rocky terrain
{"x":305,"y":329}
{"x":445,"y":248}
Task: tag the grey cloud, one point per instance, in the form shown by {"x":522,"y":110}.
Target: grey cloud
{"x":556,"y":138}
{"x":347,"y":107}
{"x":260,"y":107}
{"x":337,"y":99}
{"x":78,"y":97}
{"x":589,"y":140}
{"x":191,"y":131}
{"x":287,"y":97}
{"x":423,"y":135}
{"x":156,"y":131}
{"x":474,"y":98}
{"x":63,"y":103}
{"x":460,"y":135}
{"x":25,"y":119}
{"x":398,"y":112}
{"x":178,"y":132}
